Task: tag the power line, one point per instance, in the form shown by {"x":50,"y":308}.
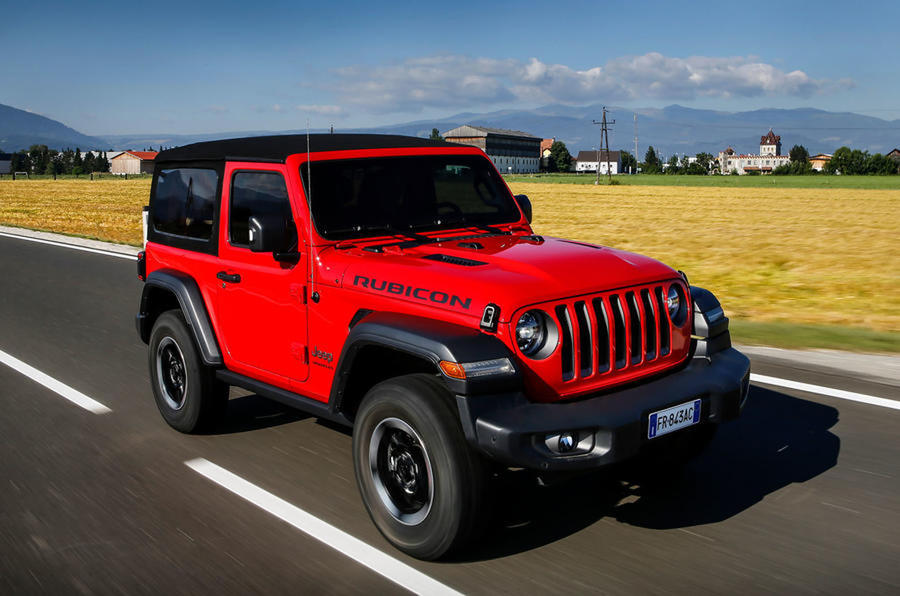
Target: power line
{"x":604,"y":137}
{"x":635,"y":143}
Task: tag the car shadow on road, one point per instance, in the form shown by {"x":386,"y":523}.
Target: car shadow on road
{"x":779,"y":440}
{"x":249,"y":412}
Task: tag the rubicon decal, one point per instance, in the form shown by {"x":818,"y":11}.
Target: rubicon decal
{"x":392,"y":287}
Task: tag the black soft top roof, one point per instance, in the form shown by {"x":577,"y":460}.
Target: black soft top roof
{"x":276,"y":148}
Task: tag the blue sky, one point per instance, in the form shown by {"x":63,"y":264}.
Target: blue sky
{"x":193,"y":67}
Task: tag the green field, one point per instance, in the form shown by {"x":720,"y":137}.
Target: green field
{"x":819,"y":181}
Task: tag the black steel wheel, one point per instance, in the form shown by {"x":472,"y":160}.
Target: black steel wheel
{"x":187,"y":393}
{"x":420,"y":481}
{"x":401,"y":471}
{"x":171,"y":373}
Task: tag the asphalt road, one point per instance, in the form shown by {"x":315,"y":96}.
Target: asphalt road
{"x":798,"y":496}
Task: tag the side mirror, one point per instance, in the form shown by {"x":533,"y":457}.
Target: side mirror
{"x":525,"y":205}
{"x":267,"y":233}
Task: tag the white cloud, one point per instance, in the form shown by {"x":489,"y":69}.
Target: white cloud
{"x":459,"y":81}
{"x":323,"y":110}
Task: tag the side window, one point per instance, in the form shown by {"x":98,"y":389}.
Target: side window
{"x":259,"y":194}
{"x":185,"y":202}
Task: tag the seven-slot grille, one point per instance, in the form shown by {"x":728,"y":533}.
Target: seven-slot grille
{"x":614,"y":331}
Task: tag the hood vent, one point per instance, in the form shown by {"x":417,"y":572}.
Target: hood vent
{"x":454,"y":260}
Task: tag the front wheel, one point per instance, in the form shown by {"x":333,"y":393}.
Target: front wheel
{"x":420,"y":481}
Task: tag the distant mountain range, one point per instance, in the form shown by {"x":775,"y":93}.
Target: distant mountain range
{"x":20,"y":129}
{"x":674,"y":129}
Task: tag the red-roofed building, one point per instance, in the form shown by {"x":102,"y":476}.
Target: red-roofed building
{"x":819,"y":161}
{"x":546,"y":144}
{"x":133,"y":162}
{"x":770,"y":144}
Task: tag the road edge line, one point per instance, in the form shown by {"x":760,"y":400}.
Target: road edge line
{"x":830,"y":392}
{"x":98,"y":251}
{"x":58,"y":387}
{"x":388,"y":567}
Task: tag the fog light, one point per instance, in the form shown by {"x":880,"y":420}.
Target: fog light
{"x":569,"y":442}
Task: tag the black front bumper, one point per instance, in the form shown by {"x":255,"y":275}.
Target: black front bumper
{"x":512,"y":430}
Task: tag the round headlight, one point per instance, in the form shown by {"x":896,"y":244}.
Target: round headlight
{"x":675,"y":305}
{"x":530,"y":332}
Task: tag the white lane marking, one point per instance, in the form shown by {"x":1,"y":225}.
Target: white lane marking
{"x":872,"y":473}
{"x":61,"y":389}
{"x":72,"y":246}
{"x":839,"y":393}
{"x":842,"y":508}
{"x":396,"y":571}
{"x":696,"y":534}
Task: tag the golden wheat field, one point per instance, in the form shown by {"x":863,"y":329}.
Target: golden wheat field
{"x":108,"y":209}
{"x":800,"y":255}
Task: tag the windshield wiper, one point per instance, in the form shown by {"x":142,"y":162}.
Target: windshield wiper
{"x":382,"y":228}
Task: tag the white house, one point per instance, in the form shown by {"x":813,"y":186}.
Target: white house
{"x":609,"y":163}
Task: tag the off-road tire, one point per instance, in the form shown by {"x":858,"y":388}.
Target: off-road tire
{"x":421,"y":412}
{"x":198,"y":402}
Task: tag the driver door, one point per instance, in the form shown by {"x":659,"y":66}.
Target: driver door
{"x":261,"y":303}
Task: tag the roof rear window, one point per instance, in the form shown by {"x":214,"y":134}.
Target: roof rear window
{"x":185,"y":200}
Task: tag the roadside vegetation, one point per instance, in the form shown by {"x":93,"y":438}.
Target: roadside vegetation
{"x":819,"y":181}
{"x":795,"y":267}
{"x":41,"y":160}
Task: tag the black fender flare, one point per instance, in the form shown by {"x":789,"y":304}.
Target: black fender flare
{"x":190,"y":299}
{"x":431,"y":340}
{"x":710,"y":331}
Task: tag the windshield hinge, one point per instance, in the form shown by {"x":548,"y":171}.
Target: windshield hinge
{"x":298,"y":291}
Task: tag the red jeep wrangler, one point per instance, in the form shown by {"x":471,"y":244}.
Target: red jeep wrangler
{"x":394,"y":284}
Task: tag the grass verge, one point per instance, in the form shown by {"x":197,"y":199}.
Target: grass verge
{"x":781,"y":334}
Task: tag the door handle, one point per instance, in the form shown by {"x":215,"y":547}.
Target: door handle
{"x":232,"y":278}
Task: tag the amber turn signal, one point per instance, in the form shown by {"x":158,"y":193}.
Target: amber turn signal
{"x":452,"y":369}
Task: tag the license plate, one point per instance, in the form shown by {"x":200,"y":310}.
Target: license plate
{"x":671,"y":419}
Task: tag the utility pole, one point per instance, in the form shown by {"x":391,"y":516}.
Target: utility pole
{"x":604,"y":137}
{"x":636,"y":158}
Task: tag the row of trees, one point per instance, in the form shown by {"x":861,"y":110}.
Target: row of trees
{"x":41,"y":160}
{"x":704,"y":164}
{"x":845,"y":161}
{"x":853,"y":161}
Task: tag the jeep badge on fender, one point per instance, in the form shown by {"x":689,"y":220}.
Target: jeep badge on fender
{"x":459,"y":343}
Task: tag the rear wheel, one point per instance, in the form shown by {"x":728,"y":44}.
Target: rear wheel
{"x":187,"y":393}
{"x":421,"y":483}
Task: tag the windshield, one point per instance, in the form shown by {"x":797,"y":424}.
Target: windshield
{"x":356,"y":198}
